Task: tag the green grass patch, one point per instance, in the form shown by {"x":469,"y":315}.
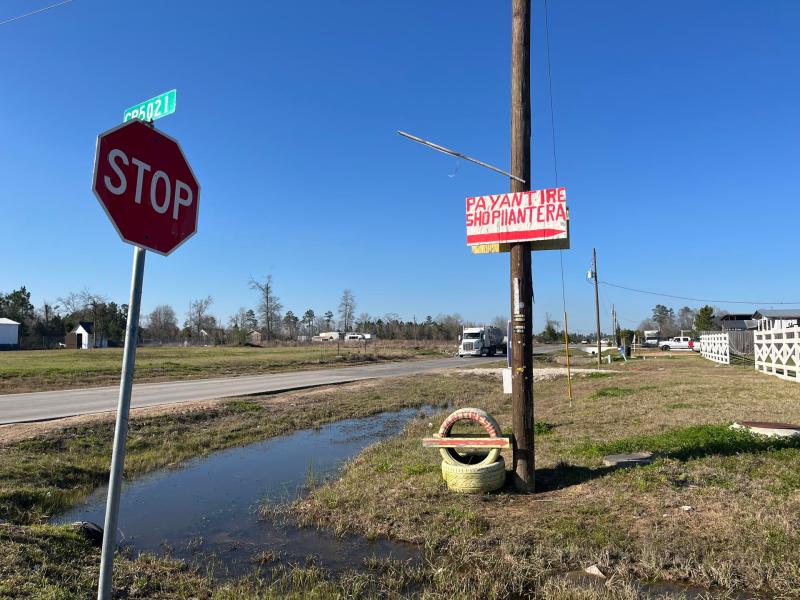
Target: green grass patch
{"x":612,"y":392}
{"x":678,"y":405}
{"x":686,"y":443}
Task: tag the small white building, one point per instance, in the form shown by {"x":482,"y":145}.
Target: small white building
{"x":9,"y":334}
{"x":83,"y":337}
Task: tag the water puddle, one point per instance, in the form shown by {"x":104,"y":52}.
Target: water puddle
{"x":205,"y":511}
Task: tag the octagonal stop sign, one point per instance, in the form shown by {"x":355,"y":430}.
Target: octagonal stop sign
{"x":146,"y":186}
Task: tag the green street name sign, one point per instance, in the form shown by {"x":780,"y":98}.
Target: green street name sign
{"x":155,"y":108}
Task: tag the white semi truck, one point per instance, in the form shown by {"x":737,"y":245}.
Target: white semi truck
{"x":481,"y":341}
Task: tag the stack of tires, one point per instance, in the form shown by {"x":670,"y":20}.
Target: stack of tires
{"x":472,"y":471}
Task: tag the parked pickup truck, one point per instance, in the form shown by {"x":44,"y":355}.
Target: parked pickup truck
{"x":683,"y":342}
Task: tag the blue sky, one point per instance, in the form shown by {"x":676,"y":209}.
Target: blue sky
{"x":677,"y":129}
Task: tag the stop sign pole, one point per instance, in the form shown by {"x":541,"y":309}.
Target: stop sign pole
{"x":121,"y":428}
{"x":151,"y":196}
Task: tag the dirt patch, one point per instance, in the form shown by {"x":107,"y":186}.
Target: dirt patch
{"x":539,"y":374}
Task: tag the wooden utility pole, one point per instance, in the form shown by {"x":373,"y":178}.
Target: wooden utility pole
{"x":521,"y":278}
{"x":596,"y":301}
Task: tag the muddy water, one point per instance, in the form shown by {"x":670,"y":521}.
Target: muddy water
{"x":205,"y":511}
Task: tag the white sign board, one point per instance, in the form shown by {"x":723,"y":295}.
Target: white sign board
{"x":536,"y":215}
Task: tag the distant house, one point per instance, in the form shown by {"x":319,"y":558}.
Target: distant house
{"x":9,"y":334}
{"x":779,"y":317}
{"x":83,"y":337}
{"x":738,"y":322}
{"x":254,"y":336}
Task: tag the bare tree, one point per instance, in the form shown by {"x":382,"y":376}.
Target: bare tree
{"x":162,"y":323}
{"x":270,"y":307}
{"x":647,"y":325}
{"x":71,"y":303}
{"x":501,"y":322}
{"x":686,"y":318}
{"x":197,"y":316}
{"x":346,"y":309}
{"x":93,"y":304}
{"x":239,"y":325}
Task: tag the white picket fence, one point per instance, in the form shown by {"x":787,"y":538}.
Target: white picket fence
{"x":777,"y":349}
{"x":716,"y":346}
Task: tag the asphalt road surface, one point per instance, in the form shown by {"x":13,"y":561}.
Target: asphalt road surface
{"x":38,"y":406}
{"x":41,"y":406}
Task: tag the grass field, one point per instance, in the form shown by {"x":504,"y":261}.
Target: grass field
{"x":32,"y":371}
{"x":718,"y":510}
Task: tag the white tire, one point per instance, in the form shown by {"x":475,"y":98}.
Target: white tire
{"x":474,"y":479}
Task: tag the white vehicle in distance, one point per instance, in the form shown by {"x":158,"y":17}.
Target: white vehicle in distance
{"x":651,"y":338}
{"x":354,"y":336}
{"x":681,"y":342}
{"x":481,"y":341}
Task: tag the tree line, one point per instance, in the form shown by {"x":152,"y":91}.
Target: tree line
{"x":48,"y":325}
{"x":670,"y":322}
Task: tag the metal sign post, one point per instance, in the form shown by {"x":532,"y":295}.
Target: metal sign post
{"x":149,"y":192}
{"x":121,"y":429}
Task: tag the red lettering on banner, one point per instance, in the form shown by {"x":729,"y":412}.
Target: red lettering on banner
{"x":532,"y":215}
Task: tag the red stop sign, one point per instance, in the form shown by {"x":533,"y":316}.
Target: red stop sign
{"x":146,"y":187}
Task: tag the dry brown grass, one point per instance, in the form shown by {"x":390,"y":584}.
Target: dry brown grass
{"x":741,"y":532}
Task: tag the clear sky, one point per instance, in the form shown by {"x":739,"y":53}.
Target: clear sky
{"x":676,"y":125}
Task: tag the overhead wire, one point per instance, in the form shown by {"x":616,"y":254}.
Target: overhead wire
{"x":712,"y":301}
{"x":553,"y":137}
{"x":34,"y":12}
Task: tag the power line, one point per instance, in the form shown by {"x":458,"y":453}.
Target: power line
{"x":35,"y":12}
{"x":553,"y":137}
{"x":751,"y":302}
{"x":550,"y":87}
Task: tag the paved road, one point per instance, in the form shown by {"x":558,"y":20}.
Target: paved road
{"x":38,"y":406}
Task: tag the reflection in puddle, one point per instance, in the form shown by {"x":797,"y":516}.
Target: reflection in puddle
{"x":205,"y":511}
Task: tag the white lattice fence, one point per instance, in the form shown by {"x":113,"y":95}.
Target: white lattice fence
{"x":777,"y":351}
{"x":716,"y":347}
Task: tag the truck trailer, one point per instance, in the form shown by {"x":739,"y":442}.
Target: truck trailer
{"x":481,"y":341}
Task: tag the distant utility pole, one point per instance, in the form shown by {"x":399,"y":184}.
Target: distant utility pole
{"x":596,"y":301}
{"x":617,"y":338}
{"x":521,"y":278}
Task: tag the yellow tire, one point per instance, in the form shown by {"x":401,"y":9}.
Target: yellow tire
{"x":473,"y":457}
{"x":474,"y":479}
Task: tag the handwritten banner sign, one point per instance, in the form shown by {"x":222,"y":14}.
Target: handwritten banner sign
{"x":536,"y":215}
